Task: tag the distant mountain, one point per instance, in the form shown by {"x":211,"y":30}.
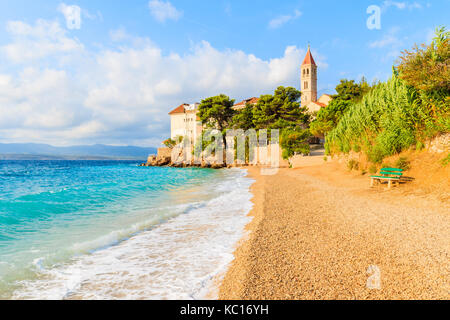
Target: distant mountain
{"x":34,"y":151}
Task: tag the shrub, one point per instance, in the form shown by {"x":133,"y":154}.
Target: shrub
{"x":373,"y":169}
{"x":446,"y":160}
{"x":403,"y":163}
{"x":426,"y":67}
{"x":347,"y":92}
{"x":295,"y":142}
{"x":352,"y":164}
{"x":387,"y":165}
{"x":420,"y":145}
{"x":170,"y":143}
{"x":375,"y":155}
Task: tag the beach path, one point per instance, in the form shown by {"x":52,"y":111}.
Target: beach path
{"x":321,"y":234}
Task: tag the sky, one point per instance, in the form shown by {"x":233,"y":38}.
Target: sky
{"x":95,"y":71}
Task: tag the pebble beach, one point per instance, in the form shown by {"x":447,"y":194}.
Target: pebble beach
{"x":316,"y":238}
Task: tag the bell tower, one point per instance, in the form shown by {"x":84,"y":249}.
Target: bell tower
{"x":308,"y":79}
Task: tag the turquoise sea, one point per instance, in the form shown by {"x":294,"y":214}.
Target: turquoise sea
{"x":113,"y":230}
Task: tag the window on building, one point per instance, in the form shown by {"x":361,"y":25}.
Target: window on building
{"x":305,"y":85}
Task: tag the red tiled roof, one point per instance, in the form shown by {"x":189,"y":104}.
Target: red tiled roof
{"x":323,"y":105}
{"x":309,"y":58}
{"x":250,"y":101}
{"x":179,"y":109}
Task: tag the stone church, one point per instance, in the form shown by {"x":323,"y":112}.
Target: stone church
{"x":308,"y":85}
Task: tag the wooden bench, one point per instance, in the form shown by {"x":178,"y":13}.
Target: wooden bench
{"x":392,"y":175}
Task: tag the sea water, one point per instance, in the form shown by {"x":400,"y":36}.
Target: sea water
{"x":113,"y":230}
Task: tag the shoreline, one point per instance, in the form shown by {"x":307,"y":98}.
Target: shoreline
{"x":172,"y":250}
{"x":314,"y":235}
{"x":233,"y":282}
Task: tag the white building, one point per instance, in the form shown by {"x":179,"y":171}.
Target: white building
{"x":184,"y":122}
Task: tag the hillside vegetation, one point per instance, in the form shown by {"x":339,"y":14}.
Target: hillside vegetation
{"x":410,"y":108}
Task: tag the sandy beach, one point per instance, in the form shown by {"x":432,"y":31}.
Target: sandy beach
{"x":316,"y":231}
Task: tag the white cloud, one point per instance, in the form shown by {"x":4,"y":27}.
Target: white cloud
{"x":389,"y":39}
{"x":281,"y":20}
{"x":33,"y":42}
{"x":401,"y":5}
{"x":398,"y":5}
{"x":44,"y":100}
{"x":415,"y":5}
{"x":391,"y":44}
{"x":73,"y":15}
{"x":92,"y":16}
{"x":122,"y":36}
{"x":164,"y":10}
{"x":122,"y":96}
{"x":118,"y":35}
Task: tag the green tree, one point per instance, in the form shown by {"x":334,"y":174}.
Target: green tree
{"x":427,"y":70}
{"x":428,"y":67}
{"x":216,"y":112}
{"x":280,"y":110}
{"x":295,"y":141}
{"x":243,"y":119}
{"x":169,"y":143}
{"x":348,"y":92}
{"x":328,"y":117}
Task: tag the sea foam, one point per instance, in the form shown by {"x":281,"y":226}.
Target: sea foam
{"x":182,"y":257}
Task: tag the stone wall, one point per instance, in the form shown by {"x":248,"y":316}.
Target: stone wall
{"x":440,"y":144}
{"x":178,"y":157}
{"x":164,"y":152}
{"x":161,"y":159}
{"x":265,"y":156}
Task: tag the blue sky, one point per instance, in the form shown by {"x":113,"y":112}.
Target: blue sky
{"x":113,"y":79}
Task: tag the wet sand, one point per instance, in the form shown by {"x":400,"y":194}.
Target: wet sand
{"x":316,"y":231}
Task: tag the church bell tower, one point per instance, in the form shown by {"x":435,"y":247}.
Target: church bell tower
{"x":308,"y":78}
